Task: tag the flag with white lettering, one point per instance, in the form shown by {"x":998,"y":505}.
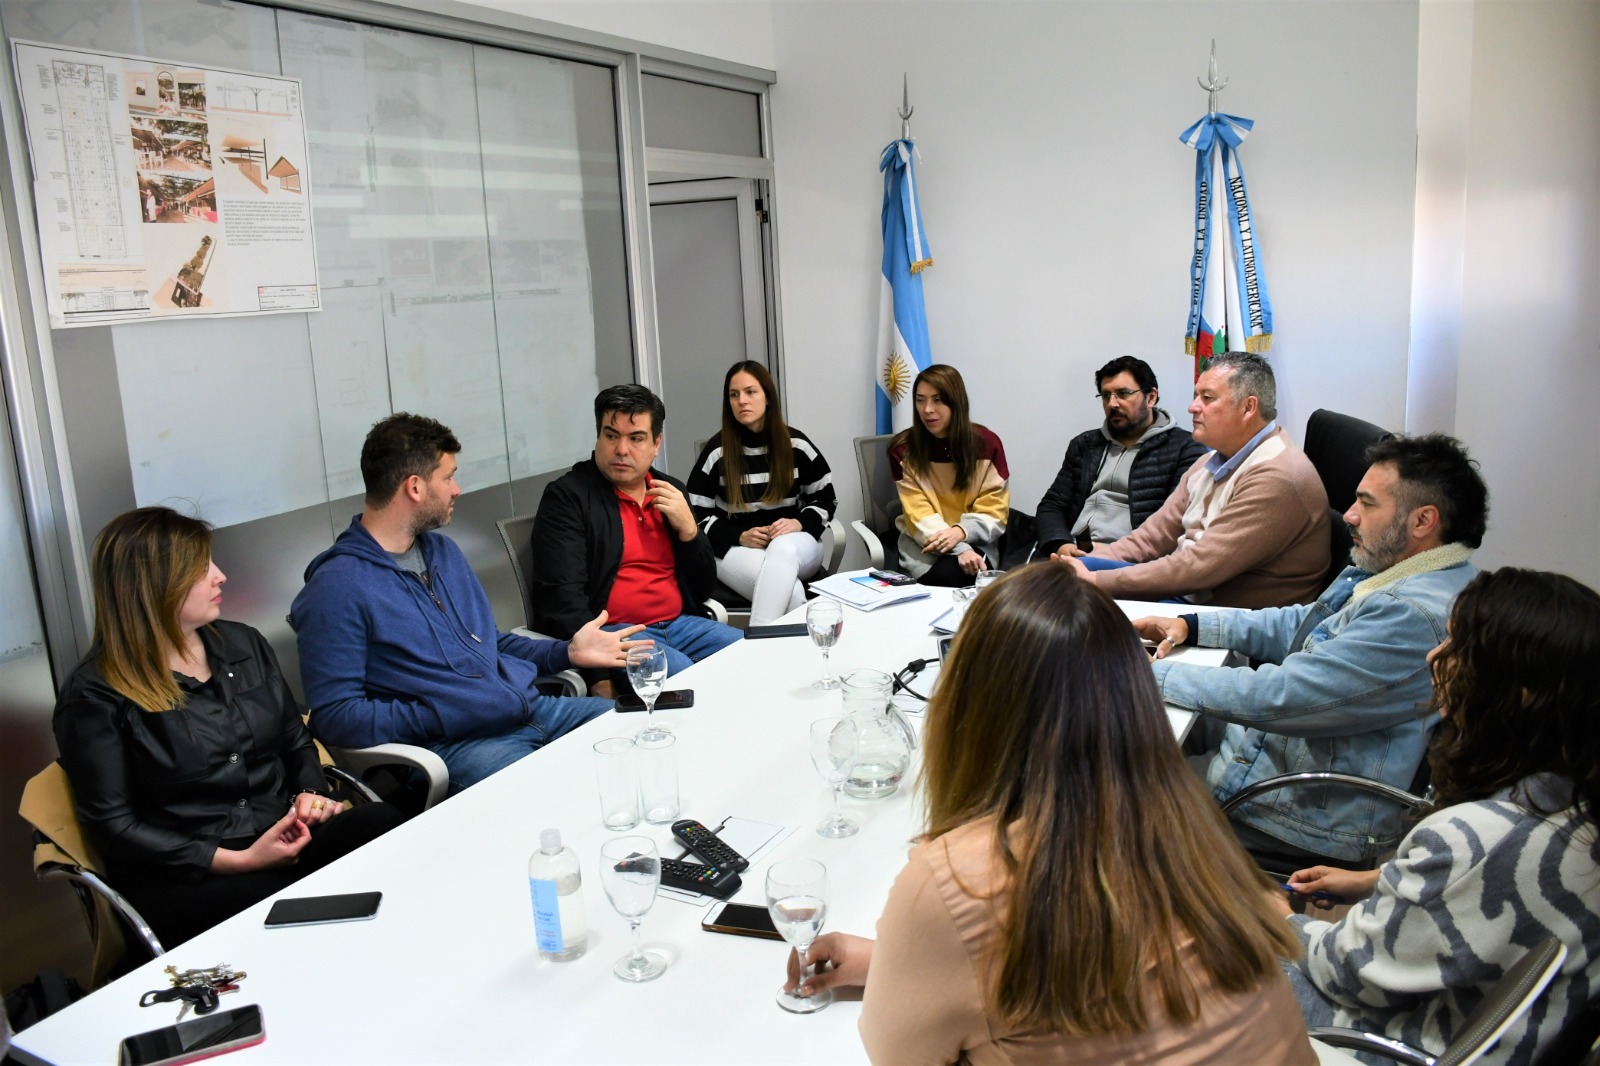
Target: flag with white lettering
{"x":902,"y":317}
{"x":1228,"y":303}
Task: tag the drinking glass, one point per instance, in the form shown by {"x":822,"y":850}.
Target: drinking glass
{"x":797,"y":899}
{"x":987,"y":577}
{"x":647,"y":672}
{"x":630,"y":871}
{"x":619,"y":783}
{"x":960,"y":600}
{"x":835,"y":745}
{"x":825,"y":618}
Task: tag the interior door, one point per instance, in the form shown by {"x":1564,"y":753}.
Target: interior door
{"x":710,"y":311}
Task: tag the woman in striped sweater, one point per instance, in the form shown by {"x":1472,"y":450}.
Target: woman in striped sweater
{"x":762,"y":494}
{"x":1509,"y":856}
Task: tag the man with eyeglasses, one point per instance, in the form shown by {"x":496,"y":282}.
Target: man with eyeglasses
{"x":1119,"y":474}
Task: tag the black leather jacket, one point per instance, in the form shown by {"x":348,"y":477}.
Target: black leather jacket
{"x":1158,"y":466}
{"x":160,"y":792}
{"x":577,"y":551}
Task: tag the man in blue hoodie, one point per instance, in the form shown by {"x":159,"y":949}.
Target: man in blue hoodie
{"x":397,"y":641}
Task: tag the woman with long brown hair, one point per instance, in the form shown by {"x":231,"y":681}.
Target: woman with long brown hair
{"x":1077,"y":894}
{"x":951,"y":475}
{"x":191,"y":768}
{"x":762,"y":494}
{"x":1510,"y":854}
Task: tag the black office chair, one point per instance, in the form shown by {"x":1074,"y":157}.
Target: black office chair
{"x":1337,"y":447}
{"x":1508,"y":1000}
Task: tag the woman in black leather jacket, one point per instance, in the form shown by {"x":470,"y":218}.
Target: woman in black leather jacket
{"x":192,"y":770}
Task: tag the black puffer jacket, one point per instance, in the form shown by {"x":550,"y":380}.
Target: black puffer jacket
{"x":1158,"y":466}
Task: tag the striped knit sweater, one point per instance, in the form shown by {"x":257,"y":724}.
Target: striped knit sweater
{"x":810,"y":501}
{"x":1471,"y":888}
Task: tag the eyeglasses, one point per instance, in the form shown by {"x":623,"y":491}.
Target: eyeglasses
{"x":1121,"y":394}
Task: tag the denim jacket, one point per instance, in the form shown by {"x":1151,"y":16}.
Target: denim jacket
{"x":1341,"y":686}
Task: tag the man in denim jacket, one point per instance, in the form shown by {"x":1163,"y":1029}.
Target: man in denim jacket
{"x":1342,"y":684}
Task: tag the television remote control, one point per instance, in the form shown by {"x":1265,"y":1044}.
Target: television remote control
{"x":710,"y":847}
{"x":712,"y":881}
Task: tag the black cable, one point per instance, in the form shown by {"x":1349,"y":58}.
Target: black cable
{"x":913,"y":668}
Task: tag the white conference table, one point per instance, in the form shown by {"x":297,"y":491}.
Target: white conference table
{"x":448,"y":971}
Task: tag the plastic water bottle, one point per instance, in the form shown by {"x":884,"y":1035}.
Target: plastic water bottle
{"x":556,"y":882}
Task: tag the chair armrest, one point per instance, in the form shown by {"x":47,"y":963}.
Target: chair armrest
{"x":362,"y":759}
{"x":873,"y":545}
{"x":1377,"y":788}
{"x":833,"y":546}
{"x":1370,"y":1043}
{"x":344,"y":779}
{"x":718,"y":612}
{"x":572,"y":684}
{"x":90,"y":881}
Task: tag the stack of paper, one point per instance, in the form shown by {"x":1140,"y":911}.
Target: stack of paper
{"x":861,"y":590}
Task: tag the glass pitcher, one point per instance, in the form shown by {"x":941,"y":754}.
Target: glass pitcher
{"x":887,"y":739}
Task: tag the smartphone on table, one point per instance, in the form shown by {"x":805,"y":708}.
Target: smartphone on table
{"x":675,"y":699}
{"x":741,"y":919}
{"x":195,"y":1039}
{"x":316,"y":910}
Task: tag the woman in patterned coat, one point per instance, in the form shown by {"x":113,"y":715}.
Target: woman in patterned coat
{"x":1509,"y":855}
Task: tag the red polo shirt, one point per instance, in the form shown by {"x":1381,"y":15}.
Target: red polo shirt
{"x":646,"y":589}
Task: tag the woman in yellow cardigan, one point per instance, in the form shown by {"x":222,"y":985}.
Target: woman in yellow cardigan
{"x":951,"y":475}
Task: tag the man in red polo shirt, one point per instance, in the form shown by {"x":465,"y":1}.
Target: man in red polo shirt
{"x":613,"y":533}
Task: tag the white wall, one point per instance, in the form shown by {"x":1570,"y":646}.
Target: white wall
{"x":1058,"y":200}
{"x":735,"y":30}
{"x":1530,"y":332}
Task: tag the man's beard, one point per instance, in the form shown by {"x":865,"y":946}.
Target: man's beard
{"x":1383,"y":550}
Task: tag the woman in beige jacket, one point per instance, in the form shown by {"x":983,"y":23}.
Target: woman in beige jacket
{"x":1076,"y":894}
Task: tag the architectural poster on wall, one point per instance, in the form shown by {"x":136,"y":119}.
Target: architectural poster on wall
{"x":166,"y":190}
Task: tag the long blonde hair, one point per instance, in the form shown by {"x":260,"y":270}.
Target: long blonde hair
{"x":1047,"y":718}
{"x":144,"y":563}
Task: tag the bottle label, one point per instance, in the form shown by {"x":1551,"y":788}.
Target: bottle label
{"x":547,"y":916}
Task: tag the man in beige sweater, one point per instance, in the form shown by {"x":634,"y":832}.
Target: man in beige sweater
{"x":1248,"y":525}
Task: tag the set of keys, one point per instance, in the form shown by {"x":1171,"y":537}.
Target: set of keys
{"x":198,"y":989}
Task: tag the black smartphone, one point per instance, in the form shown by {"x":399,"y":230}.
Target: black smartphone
{"x":671,"y":700}
{"x":741,"y":919}
{"x":791,"y":629}
{"x":944,"y":647}
{"x":195,"y":1039}
{"x":315,"y":910}
{"x":893,"y":577}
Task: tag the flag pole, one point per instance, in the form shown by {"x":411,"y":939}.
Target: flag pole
{"x":905,"y":107}
{"x":1210,"y":83}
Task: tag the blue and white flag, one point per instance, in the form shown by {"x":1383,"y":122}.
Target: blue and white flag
{"x":902,"y":318}
{"x":1228,"y":303}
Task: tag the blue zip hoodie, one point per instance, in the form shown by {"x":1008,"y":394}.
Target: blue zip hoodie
{"x":388,"y":658}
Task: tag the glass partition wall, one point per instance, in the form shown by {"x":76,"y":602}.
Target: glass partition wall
{"x":469,"y":213}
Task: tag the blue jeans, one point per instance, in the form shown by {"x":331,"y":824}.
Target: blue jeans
{"x":470,"y":761}
{"x":688,"y":638}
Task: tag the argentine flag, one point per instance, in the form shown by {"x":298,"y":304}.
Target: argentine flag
{"x":902,"y":318}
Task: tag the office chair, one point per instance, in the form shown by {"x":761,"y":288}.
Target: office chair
{"x":1282,"y":864}
{"x":1508,"y":1000}
{"x":122,"y":938}
{"x":1337,"y":447}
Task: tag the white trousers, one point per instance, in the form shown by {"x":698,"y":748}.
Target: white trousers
{"x":770,"y":578}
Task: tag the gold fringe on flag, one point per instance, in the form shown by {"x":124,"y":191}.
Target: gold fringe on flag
{"x":1190,"y":345}
{"x":1258,"y":344}
{"x":920,"y":265}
